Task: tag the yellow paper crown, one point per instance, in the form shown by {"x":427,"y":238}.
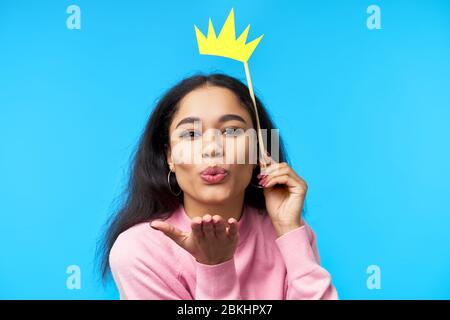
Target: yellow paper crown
{"x":226,"y":44}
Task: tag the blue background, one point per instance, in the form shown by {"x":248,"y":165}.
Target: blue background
{"x":365,"y":115}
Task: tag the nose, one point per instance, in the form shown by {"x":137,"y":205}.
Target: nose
{"x":212,"y":144}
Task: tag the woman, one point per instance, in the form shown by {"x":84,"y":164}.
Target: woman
{"x":197,"y":227}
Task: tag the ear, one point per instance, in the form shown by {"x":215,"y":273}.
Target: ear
{"x":169,"y":157}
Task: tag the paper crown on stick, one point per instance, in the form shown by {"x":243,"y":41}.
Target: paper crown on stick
{"x":226,"y":45}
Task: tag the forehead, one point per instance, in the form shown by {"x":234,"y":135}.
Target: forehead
{"x":209,"y":103}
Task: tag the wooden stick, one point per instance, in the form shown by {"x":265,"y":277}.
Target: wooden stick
{"x":258,"y":126}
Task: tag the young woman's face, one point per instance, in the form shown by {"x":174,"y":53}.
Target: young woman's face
{"x":211,"y":129}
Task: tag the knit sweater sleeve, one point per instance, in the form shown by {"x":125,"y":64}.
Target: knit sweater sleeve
{"x":143,"y":275}
{"x":306,"y":278}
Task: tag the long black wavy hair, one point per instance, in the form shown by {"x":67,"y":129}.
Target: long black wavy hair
{"x":147,"y":195}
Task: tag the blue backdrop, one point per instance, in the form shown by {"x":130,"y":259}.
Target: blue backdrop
{"x":364,"y":112}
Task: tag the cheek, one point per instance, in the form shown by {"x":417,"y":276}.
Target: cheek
{"x":241,"y":150}
{"x":185,"y":174}
{"x":187,"y":152}
{"x":242,"y":175}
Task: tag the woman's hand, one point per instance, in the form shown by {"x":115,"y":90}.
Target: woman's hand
{"x":209,"y":242}
{"x":285,"y":193}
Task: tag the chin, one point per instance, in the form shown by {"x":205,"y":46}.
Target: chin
{"x":215,"y":194}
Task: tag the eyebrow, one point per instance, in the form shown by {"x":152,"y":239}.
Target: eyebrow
{"x":224,"y":118}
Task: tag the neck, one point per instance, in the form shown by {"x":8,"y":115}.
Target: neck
{"x":232,"y":208}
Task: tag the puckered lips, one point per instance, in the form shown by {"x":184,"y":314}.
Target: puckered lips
{"x":213,"y":175}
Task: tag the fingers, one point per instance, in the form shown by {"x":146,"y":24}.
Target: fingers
{"x":210,"y":227}
{"x":273,"y":167}
{"x":207,"y":225}
{"x":196,"y":226}
{"x":219,"y":227}
{"x":233,"y":228}
{"x":279,"y":179}
{"x":295,"y":185}
{"x":169,"y":230}
{"x":266,"y":160}
{"x":280,"y":173}
{"x":284,"y":170}
{"x":270,"y":166}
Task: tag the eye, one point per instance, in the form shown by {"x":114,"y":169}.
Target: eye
{"x":189,"y":134}
{"x":233,"y":131}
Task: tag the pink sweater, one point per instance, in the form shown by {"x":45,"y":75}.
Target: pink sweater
{"x":146,"y":264}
